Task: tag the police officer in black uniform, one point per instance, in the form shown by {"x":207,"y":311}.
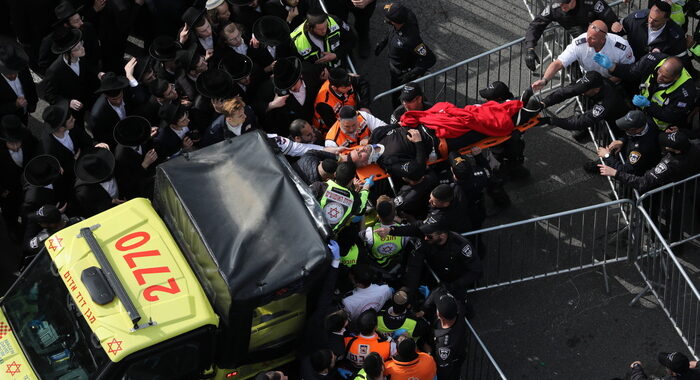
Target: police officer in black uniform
{"x":51,"y":220}
{"x":638,"y":25}
{"x":573,"y":15}
{"x":449,"y":336}
{"x":605,"y":103}
{"x":411,"y":100}
{"x":639,"y":144}
{"x":409,"y":57}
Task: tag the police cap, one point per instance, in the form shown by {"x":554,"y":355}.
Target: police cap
{"x":632,"y":120}
{"x":396,"y":12}
{"x":410,"y":91}
{"x":675,"y":361}
{"x":674,"y":140}
{"x":496,"y":91}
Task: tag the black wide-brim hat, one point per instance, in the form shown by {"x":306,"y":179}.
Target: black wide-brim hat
{"x":132,"y":131}
{"x":12,"y":57}
{"x":216,"y":84}
{"x":170,"y":113}
{"x":112,"y":82}
{"x":65,"y":40}
{"x":11,"y":129}
{"x":55,"y":115}
{"x":238,"y":65}
{"x":187,"y":58}
{"x":143,"y":64}
{"x":95,"y":167}
{"x":286,"y":72}
{"x":164,"y":48}
{"x":42,"y":170}
{"x":64,"y":11}
{"x":271,"y":30}
{"x":192,"y":16}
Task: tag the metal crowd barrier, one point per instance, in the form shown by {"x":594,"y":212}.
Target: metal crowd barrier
{"x":667,"y":280}
{"x":554,"y":244}
{"x":535,"y":7}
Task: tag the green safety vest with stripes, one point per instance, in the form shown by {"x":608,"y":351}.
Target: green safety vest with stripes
{"x":677,"y":14}
{"x":337,"y":204}
{"x":385,"y":248}
{"x":310,"y":52}
{"x":408,"y":324}
{"x":350,"y":259}
{"x":362,"y":375}
{"x":659,"y":97}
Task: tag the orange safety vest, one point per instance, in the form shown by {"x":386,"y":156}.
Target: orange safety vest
{"x":361,"y":348}
{"x":421,"y":368}
{"x":326,"y":95}
{"x":341,"y":138}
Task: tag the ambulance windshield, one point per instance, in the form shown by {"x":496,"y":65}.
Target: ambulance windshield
{"x":51,"y":330}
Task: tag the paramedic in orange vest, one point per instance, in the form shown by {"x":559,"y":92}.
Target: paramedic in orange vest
{"x":408,"y":364}
{"x":358,"y":347}
{"x":353,"y":128}
{"x":341,"y":89}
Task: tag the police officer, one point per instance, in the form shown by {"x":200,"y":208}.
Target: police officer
{"x":411,"y":100}
{"x":449,"y":336}
{"x":679,"y":162}
{"x":409,"y":57}
{"x":51,"y":220}
{"x":606,"y":103}
{"x":639,"y":144}
{"x":335,"y":36}
{"x":573,"y":15}
{"x":450,"y":255}
{"x":651,"y":30}
{"x":667,"y":90}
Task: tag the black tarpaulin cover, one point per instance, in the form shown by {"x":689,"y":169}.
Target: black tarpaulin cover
{"x":240,"y":220}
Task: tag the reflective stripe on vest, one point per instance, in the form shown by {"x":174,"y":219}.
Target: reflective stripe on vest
{"x":350,"y":259}
{"x":326,"y":95}
{"x":337,"y":204}
{"x":361,"y":348}
{"x":408,"y":324}
{"x":310,"y":52}
{"x":340,"y":138}
{"x":385,"y":248}
{"x":677,"y":14}
{"x":659,"y":97}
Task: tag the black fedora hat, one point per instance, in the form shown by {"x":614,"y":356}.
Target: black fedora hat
{"x":95,"y":167}
{"x":12,"y":57}
{"x":238,"y":65}
{"x":55,"y":115}
{"x":64,"y":39}
{"x":11,"y":128}
{"x":192,"y":16}
{"x":216,"y":84}
{"x":286,"y":72}
{"x":112,"y":82}
{"x":143,"y":64}
{"x":170,"y":113}
{"x":132,"y":131}
{"x":187,"y":58}
{"x":271,"y":30}
{"x":64,"y":10}
{"x":42,"y":170}
{"x":164,"y":48}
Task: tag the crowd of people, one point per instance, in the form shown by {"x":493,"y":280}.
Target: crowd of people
{"x":213,"y":70}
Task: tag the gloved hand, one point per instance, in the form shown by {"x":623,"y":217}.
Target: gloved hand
{"x":424,"y":290}
{"x":545,"y":120}
{"x":603,"y":60}
{"x":335,"y":249}
{"x":398,"y":333}
{"x":380,"y":46}
{"x":369,"y":182}
{"x":344,"y":373}
{"x":641,"y":101}
{"x":531,"y":59}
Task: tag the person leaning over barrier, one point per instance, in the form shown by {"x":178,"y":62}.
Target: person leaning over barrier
{"x":677,"y":367}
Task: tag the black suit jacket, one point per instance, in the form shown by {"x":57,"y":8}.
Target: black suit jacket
{"x":263,"y":58}
{"x":92,"y":198}
{"x":62,"y":83}
{"x":167,"y":143}
{"x":90,"y":42}
{"x":133,"y":180}
{"x":11,"y":177}
{"x":8,"y":98}
{"x":102,"y":120}
{"x":49,"y":145}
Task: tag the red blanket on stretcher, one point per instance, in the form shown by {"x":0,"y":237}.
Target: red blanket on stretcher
{"x":448,"y":121}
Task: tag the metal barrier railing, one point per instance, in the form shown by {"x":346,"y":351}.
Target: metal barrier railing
{"x":667,"y":280}
{"x":535,"y":7}
{"x":675,"y":208}
{"x":554,"y":244}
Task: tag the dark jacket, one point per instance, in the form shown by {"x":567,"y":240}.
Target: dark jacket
{"x":132,"y":179}
{"x":8,"y":98}
{"x":90,"y":42}
{"x":641,"y":153}
{"x":307,"y":165}
{"x":218,"y":131}
{"x":62,"y":83}
{"x":11,"y":178}
{"x":167,"y":143}
{"x":103,"y":118}
{"x":92,"y":198}
{"x":671,"y":41}
{"x":671,"y":168}
{"x":81,"y":141}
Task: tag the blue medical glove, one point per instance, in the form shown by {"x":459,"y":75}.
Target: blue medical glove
{"x":335,"y":249}
{"x":424,"y":291}
{"x":603,"y":60}
{"x":398,"y":333}
{"x":370,"y":181}
{"x":641,"y":101}
{"x":344,"y":373}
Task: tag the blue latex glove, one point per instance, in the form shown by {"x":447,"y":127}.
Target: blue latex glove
{"x":392,"y":290}
{"x":335,"y":249}
{"x":603,"y":60}
{"x":640,"y":101}
{"x":356,"y":219}
{"x":398,"y":333}
{"x":370,"y":181}
{"x":344,"y":373}
{"x":424,"y":291}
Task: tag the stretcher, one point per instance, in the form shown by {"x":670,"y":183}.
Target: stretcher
{"x":379,"y":173}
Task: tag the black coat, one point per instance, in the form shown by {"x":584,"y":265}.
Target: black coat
{"x":8,"y":98}
{"x":102,"y":120}
{"x":218,"y":131}
{"x":62,"y":83}
{"x":262,"y":57}
{"x":11,"y":177}
{"x":90,"y":42}
{"x":35,"y":197}
{"x":307,"y":165}
{"x":51,"y":146}
{"x":92,"y":198}
{"x":671,"y":41}
{"x":133,"y":180}
{"x":167,"y":143}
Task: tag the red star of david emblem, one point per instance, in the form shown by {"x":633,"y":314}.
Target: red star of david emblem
{"x":386,"y":249}
{"x":55,"y":243}
{"x":4,"y":329}
{"x":115,"y":346}
{"x":333,"y":212}
{"x":13,"y":368}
